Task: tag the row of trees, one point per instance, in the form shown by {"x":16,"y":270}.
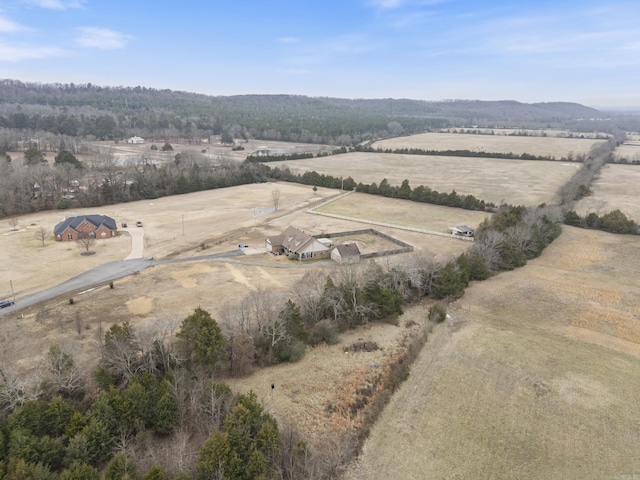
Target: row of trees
{"x":464,"y":153}
{"x":612,"y":222}
{"x":38,"y":185}
{"x":421,"y":193}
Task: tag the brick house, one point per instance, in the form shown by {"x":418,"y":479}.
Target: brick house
{"x":98,"y":226}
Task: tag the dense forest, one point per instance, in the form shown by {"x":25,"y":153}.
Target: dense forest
{"x":116,"y":113}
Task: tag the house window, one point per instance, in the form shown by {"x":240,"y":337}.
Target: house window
{"x":69,"y":236}
{"x":103,"y":235}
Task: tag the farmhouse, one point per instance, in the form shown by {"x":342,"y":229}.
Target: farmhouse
{"x":462,"y":230}
{"x":301,"y":245}
{"x":348,"y":253}
{"x":98,"y":226}
{"x":136,"y":139}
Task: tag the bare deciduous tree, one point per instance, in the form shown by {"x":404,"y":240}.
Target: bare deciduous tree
{"x":67,"y":376}
{"x":275,"y":198}
{"x":86,"y":240}
{"x":308,"y":294}
{"x":13,"y":223}
{"x":41,"y":234}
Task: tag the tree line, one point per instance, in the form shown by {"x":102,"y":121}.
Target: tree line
{"x":421,"y":193}
{"x":466,"y":153}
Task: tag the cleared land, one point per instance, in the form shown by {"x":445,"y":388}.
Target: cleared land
{"x":494,"y":180}
{"x":526,"y":132}
{"x":617,"y":187}
{"x":546,"y":146}
{"x":630,"y":150}
{"x":402,"y":212}
{"x":207,"y":218}
{"x":530,"y":379}
{"x":170,"y":292}
{"x":537,"y":375}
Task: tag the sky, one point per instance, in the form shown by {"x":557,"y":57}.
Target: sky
{"x":530,"y":51}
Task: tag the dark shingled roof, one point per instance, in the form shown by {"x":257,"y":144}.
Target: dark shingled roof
{"x":348,"y":250}
{"x":95,"y":220}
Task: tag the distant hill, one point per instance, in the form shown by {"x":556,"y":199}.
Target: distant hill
{"x":113,"y":113}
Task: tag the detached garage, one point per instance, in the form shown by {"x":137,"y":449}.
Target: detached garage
{"x":349,"y":253}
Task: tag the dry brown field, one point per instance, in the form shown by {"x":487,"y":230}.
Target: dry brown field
{"x":212,"y":150}
{"x":546,"y":132}
{"x":204,"y":217}
{"x":519,"y":182}
{"x":215,"y":221}
{"x":545,"y":146}
{"x":536,"y":375}
{"x":629,"y":150}
{"x":617,"y":187}
{"x":402,"y":212}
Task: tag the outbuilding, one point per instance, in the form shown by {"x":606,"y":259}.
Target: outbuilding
{"x":348,"y":253}
{"x":462,"y":230}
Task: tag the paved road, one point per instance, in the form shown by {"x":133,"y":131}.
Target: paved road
{"x":103,"y":274}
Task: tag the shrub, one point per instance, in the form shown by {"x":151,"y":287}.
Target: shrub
{"x":437,"y":313}
{"x":324,"y":331}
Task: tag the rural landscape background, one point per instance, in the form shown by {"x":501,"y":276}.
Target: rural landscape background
{"x":513,"y":354}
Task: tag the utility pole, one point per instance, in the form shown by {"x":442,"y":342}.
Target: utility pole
{"x":13,"y":294}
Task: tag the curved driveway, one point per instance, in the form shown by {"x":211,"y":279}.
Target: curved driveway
{"x":137,"y":243}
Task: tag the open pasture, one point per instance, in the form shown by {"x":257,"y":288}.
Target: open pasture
{"x":216,"y":221}
{"x":550,"y":146}
{"x":630,"y":150}
{"x":617,"y":187}
{"x":172,"y":225}
{"x":402,"y":212}
{"x":494,"y":180}
{"x":536,"y":376}
{"x":526,"y":132}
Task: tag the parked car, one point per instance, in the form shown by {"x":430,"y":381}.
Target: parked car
{"x":5,"y":303}
{"x":138,"y":223}
{"x":124,"y":225}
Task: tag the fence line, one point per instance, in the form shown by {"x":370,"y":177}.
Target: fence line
{"x":382,"y":224}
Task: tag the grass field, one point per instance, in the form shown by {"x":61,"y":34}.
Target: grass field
{"x":530,"y":379}
{"x":493,"y":180}
{"x":617,"y":187}
{"x":536,"y":376}
{"x":545,"y":146}
{"x":629,"y":150}
{"x":402,"y":212}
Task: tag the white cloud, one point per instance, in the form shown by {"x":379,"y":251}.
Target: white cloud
{"x":386,"y":3}
{"x":9,"y":26}
{"x":288,"y":40}
{"x":57,"y":4}
{"x":102,"y":38}
{"x":11,"y":53}
{"x":391,"y":4}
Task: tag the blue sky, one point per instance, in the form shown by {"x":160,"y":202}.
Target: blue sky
{"x":586,"y":52}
